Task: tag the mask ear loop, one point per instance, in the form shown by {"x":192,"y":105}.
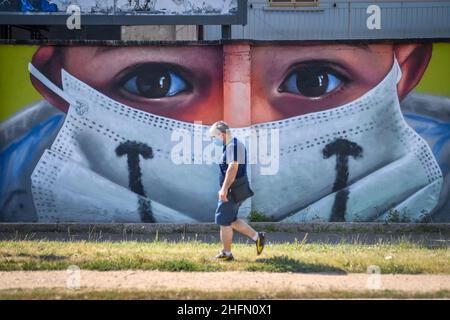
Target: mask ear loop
{"x":45,"y":81}
{"x":398,"y":70}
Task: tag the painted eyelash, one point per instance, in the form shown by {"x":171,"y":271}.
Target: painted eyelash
{"x":131,"y":71}
{"x":326,"y":65}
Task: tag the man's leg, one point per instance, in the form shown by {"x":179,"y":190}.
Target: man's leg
{"x":224,"y":216}
{"x":241,"y":226}
{"x":226,"y":236}
{"x":259,"y":237}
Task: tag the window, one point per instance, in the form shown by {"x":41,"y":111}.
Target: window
{"x":293,"y":3}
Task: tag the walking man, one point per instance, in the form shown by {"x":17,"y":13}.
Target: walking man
{"x":233,"y":166}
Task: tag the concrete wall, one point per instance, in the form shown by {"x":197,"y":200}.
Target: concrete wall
{"x":159,"y":32}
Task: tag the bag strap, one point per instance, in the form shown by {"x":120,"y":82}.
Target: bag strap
{"x":235,"y":156}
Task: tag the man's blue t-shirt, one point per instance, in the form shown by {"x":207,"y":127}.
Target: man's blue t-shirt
{"x":233,"y":151}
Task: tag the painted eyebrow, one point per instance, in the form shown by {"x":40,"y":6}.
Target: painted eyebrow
{"x":362,"y":46}
{"x":103,"y":49}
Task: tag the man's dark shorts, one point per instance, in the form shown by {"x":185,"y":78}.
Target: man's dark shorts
{"x":226,"y":212}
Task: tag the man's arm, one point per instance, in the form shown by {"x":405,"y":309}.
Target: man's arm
{"x":230,"y":176}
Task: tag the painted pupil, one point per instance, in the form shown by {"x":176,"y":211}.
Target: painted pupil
{"x":153,"y":83}
{"x":312,"y":82}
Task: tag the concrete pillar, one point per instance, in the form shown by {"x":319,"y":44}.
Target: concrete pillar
{"x":237,"y":99}
{"x":236,"y":85}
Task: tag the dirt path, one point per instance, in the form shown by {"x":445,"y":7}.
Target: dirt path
{"x":222,"y":281}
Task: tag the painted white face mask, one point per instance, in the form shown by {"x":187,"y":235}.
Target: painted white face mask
{"x":357,"y":161}
{"x":108,"y":157}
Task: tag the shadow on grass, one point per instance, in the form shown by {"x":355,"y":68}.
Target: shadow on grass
{"x":43,"y":257}
{"x":286,"y":264}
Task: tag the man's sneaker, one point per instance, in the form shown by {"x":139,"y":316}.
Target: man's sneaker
{"x":224,"y":257}
{"x":260,"y":242}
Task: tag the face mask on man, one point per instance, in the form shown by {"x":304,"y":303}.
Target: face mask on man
{"x":218,"y":142}
{"x":356,"y":161}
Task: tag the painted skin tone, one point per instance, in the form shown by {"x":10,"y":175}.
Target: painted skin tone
{"x":176,"y":82}
{"x":186,"y":83}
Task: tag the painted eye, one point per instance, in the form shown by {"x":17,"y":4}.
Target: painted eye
{"x":311,"y":81}
{"x":155,"y":81}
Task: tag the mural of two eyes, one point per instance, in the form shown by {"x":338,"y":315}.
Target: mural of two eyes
{"x":154,"y":81}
